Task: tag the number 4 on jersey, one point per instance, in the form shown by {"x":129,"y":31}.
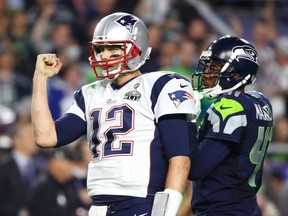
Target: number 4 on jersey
{"x":258,"y":151}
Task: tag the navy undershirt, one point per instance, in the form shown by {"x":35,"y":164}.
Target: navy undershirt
{"x":69,"y":128}
{"x":205,"y":156}
{"x":174,"y":135}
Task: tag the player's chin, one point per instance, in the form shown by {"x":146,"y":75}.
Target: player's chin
{"x":209,"y":83}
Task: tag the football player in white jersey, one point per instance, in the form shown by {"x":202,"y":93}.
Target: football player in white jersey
{"x":136,"y":124}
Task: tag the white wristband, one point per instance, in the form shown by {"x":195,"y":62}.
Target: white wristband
{"x":166,"y":203}
{"x":174,"y":202}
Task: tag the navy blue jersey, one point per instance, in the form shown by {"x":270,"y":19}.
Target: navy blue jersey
{"x":242,"y":124}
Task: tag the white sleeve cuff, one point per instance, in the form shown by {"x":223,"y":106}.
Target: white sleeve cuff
{"x":174,"y":202}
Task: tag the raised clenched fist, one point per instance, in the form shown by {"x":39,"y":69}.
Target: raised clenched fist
{"x":48,"y":64}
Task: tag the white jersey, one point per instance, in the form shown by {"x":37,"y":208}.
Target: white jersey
{"x":122,"y":131}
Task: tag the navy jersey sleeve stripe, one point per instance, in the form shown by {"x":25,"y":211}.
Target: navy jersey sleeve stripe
{"x":174,"y":135}
{"x":78,"y":96}
{"x":178,"y":76}
{"x":159,"y":84}
{"x":69,"y":128}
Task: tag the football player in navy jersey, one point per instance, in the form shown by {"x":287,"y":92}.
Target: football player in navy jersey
{"x":227,"y":160}
{"x":136,"y":124}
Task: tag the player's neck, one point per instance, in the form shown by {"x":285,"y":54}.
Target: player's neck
{"x":125,"y":77}
{"x":241,"y":89}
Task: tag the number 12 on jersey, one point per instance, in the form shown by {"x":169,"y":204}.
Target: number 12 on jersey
{"x":119,"y":121}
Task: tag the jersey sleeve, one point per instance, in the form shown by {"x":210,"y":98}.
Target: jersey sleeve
{"x":173,"y":95}
{"x":78,"y":107}
{"x":73,"y":124}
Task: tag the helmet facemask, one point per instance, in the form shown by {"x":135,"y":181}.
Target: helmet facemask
{"x":116,"y":63}
{"x":207,"y":75}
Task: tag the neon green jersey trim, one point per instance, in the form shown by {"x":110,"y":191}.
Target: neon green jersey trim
{"x":228,"y":107}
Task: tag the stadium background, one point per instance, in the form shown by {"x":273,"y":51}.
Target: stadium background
{"x":179,"y":31}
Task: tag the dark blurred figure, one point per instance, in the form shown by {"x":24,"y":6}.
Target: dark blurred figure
{"x":41,"y":9}
{"x":55,"y":193}
{"x":18,"y":171}
{"x":5,"y":146}
{"x":101,"y":8}
{"x":19,"y":34}
{"x":13,"y":85}
{"x":83,"y":157}
{"x":274,"y":187}
{"x":80,"y":10}
{"x":155,"y":36}
{"x":199,"y":32}
{"x":283,"y":197}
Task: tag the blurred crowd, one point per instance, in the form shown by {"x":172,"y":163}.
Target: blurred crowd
{"x":179,"y":30}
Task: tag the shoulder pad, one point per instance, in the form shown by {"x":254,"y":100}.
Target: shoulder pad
{"x":228,"y":107}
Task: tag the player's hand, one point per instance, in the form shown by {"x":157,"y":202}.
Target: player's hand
{"x":48,"y":65}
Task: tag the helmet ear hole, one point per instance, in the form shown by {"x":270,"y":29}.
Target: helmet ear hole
{"x":236,"y":75}
{"x":231,"y":69}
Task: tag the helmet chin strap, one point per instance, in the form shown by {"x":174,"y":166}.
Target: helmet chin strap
{"x":113,"y":78}
{"x":117,"y":75}
{"x":217,"y":90}
{"x":116,"y":71}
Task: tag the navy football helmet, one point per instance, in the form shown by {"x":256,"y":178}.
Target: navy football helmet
{"x":237,"y":62}
{"x":123,"y":30}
